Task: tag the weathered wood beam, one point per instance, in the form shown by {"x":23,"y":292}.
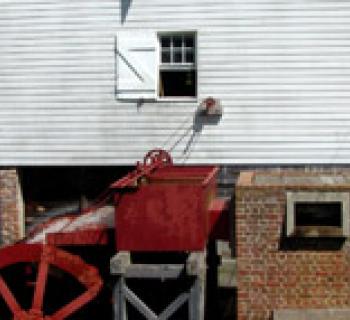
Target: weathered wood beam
{"x":174,"y":306}
{"x":154,"y":271}
{"x":139,"y":304}
{"x":196,"y":263}
{"x":120,"y":262}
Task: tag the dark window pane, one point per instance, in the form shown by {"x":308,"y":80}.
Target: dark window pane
{"x":178,"y":56}
{"x":165,"y":56}
{"x":178,"y":84}
{"x":165,"y":42}
{"x":177,"y":42}
{"x":318,"y":214}
{"x":189,"y":56}
{"x":189,"y":42}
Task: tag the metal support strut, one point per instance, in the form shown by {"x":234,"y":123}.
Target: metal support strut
{"x":194,"y":269}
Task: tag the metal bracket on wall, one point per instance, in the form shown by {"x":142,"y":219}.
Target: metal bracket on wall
{"x":194,"y":269}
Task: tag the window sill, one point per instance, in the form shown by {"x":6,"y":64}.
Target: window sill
{"x":178,"y":99}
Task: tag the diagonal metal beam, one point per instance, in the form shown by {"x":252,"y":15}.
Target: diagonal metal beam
{"x":139,"y":304}
{"x":174,"y":306}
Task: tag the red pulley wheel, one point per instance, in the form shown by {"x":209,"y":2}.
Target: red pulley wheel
{"x":157,"y":155}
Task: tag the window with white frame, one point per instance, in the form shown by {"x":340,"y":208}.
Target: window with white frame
{"x":177,"y":65}
{"x":318,"y":214}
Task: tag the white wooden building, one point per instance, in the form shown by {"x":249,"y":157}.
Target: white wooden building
{"x":84,"y":82}
{"x":98,"y":83}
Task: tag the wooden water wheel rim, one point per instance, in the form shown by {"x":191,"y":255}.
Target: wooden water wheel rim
{"x":45,"y":256}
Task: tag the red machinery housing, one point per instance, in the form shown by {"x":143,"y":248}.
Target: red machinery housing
{"x":168,"y":211}
{"x":166,"y":207}
{"x":158,"y":207}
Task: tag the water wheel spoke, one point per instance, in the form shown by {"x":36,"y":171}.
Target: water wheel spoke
{"x":8,"y":297}
{"x":40,"y":285}
{"x":46,"y":256}
{"x":72,"y":306}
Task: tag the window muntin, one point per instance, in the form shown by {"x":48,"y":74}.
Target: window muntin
{"x":177,"y":65}
{"x":178,"y":49}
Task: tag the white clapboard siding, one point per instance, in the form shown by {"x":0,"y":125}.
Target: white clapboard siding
{"x":281,"y":69}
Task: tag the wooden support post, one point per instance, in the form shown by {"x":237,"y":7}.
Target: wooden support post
{"x":196,"y":303}
{"x":196,"y":263}
{"x":120,"y":263}
{"x":195,"y":267}
{"x":119,"y":302}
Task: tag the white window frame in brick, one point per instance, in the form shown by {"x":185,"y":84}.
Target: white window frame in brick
{"x":317,"y":197}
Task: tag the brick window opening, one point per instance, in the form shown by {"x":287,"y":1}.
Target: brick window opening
{"x":318,"y":219}
{"x":312,"y":214}
{"x":318,"y":214}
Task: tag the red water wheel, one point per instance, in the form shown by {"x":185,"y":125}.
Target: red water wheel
{"x":45,"y":258}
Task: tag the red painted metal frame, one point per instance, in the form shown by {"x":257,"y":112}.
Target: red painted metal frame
{"x":220,"y":220}
{"x":182,"y":222}
{"x":81,"y":237}
{"x":167,"y":208}
{"x":159,"y":207}
{"x":154,"y":159}
{"x":45,"y":256}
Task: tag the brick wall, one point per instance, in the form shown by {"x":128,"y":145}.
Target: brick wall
{"x":274,"y":272}
{"x":11,"y":207}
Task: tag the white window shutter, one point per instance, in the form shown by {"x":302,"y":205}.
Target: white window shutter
{"x":136,"y":65}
